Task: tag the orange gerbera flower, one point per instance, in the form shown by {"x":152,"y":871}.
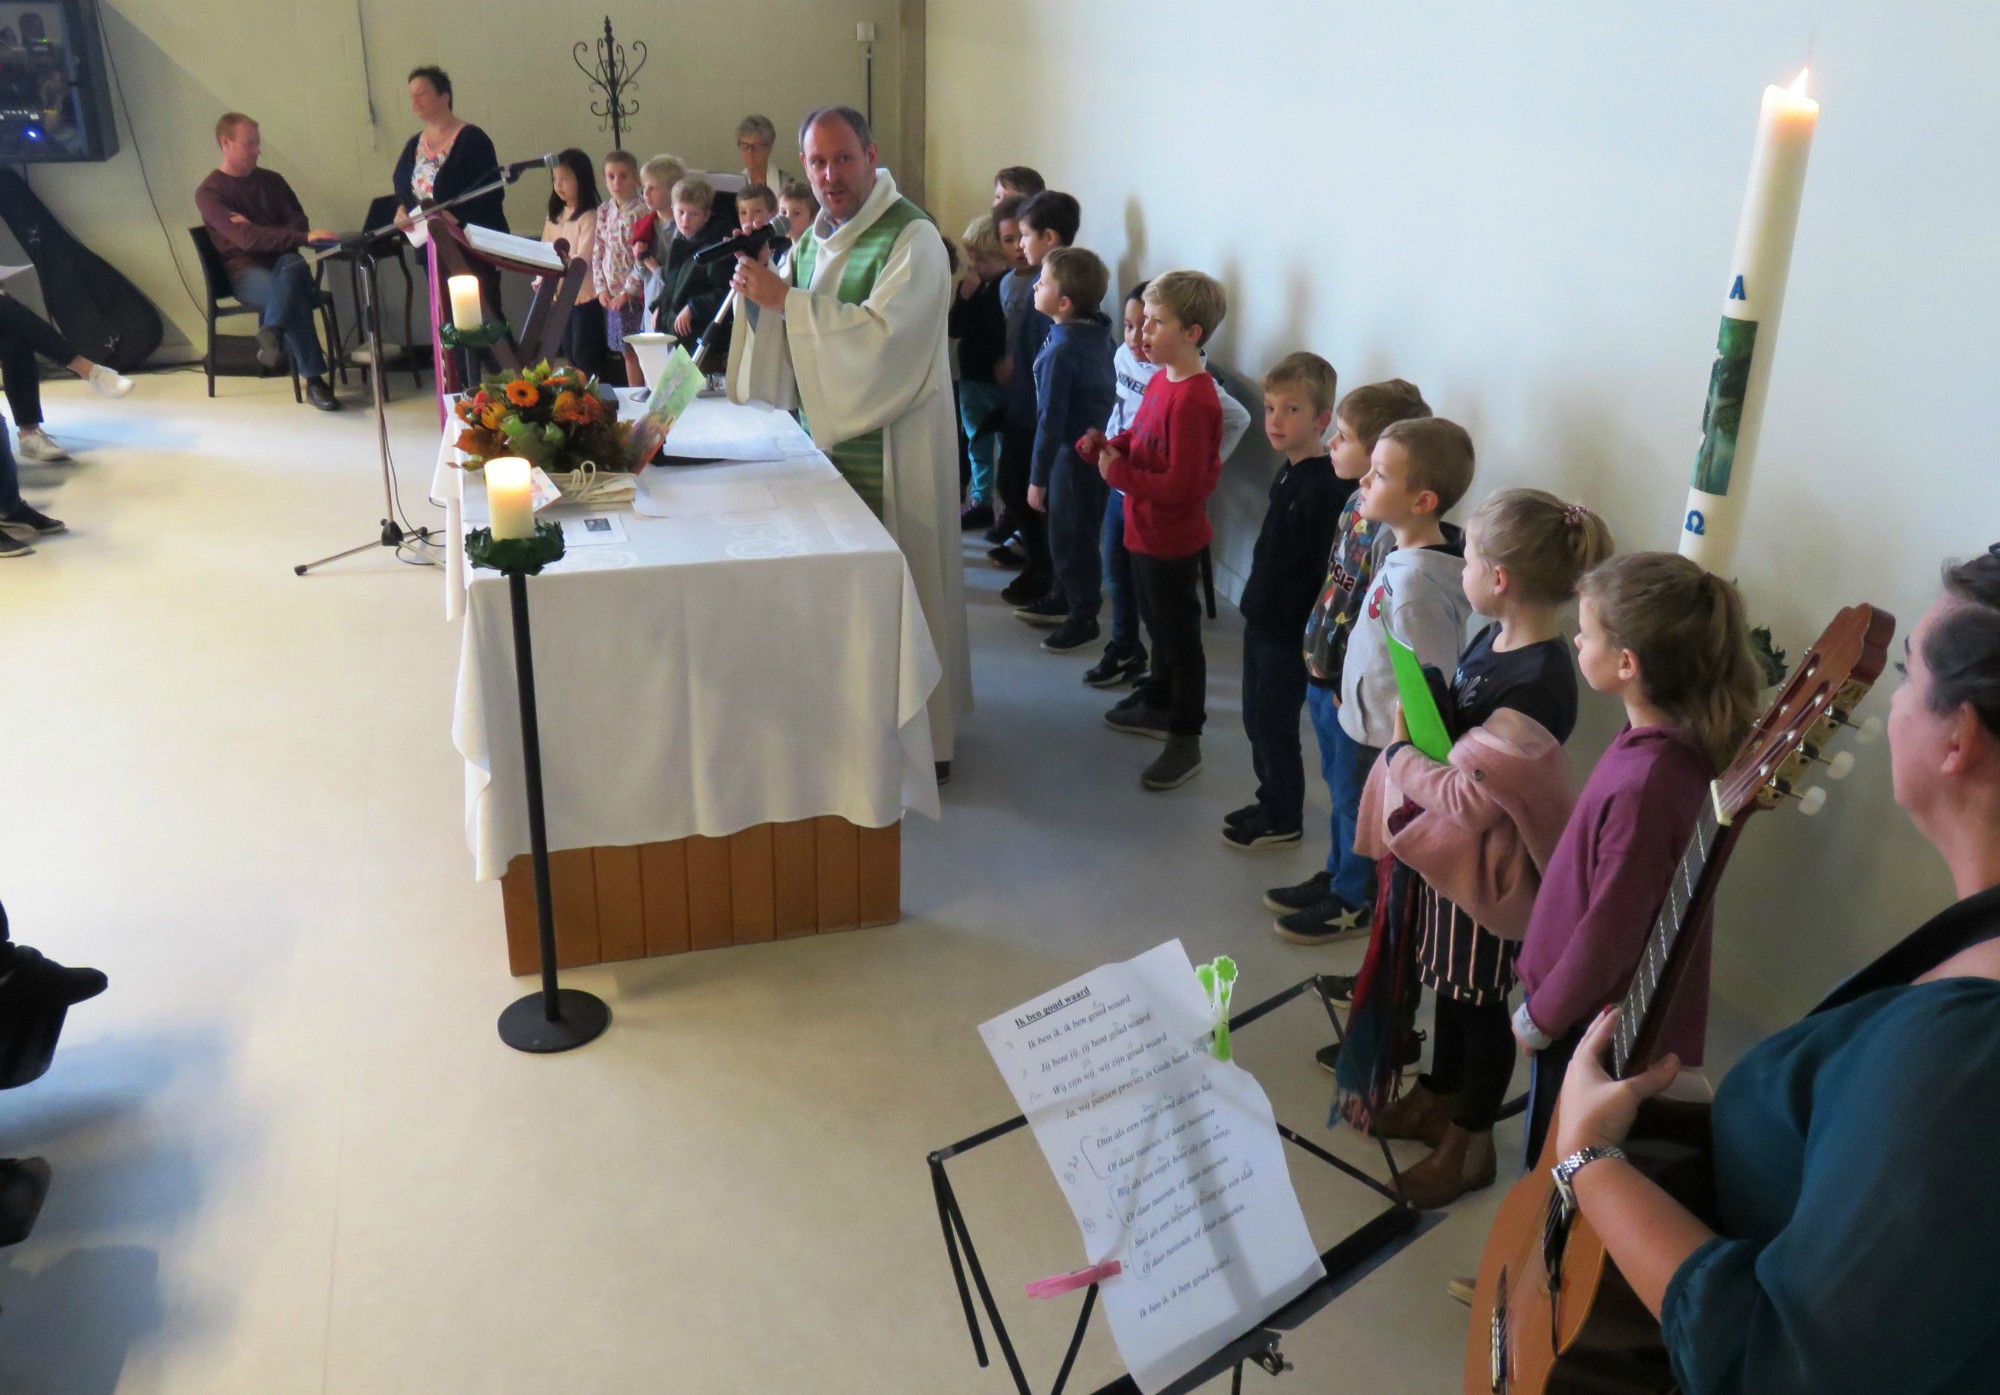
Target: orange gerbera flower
{"x":522,"y":394}
{"x":493,"y":416}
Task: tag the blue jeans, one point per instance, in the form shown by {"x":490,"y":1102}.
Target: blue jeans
{"x":285,"y":294}
{"x":1117,"y":571}
{"x":1274,"y":688}
{"x":1076,"y":523}
{"x":1344,"y":762}
{"x":977,"y":405}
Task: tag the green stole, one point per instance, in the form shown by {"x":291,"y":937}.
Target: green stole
{"x":859,"y":460}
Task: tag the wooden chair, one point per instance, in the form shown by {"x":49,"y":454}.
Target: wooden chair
{"x":215,"y":279}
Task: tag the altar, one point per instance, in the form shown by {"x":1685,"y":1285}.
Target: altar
{"x":731,"y":672}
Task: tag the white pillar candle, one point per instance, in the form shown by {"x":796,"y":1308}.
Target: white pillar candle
{"x":510,"y":497}
{"x":1735,"y":412}
{"x":465,"y":311}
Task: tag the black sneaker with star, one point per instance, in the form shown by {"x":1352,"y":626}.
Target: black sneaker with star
{"x":1259,"y":833}
{"x":1323,"y":923}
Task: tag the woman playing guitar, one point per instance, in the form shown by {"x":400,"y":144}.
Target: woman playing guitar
{"x":1854,"y":1152}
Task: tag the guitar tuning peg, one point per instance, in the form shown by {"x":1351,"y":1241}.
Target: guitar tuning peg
{"x":1841,"y":766}
{"x":1867,"y":731}
{"x":1812,"y":801}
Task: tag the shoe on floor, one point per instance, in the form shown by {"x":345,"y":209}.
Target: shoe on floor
{"x":40,"y":447}
{"x":12,"y":547}
{"x":1117,"y":668}
{"x":1461,"y":1290}
{"x":108,"y":382}
{"x":1070,"y":636}
{"x":1026,"y":589}
{"x":1310,"y":892}
{"x":943,"y":772}
{"x":1236,"y":817}
{"x":1417,"y":1114}
{"x":998,"y":533}
{"x":979,"y":515}
{"x":24,"y":1183}
{"x":270,"y":347}
{"x":1176,"y":765}
{"x":1139,"y":720}
{"x":1045,"y":612}
{"x":1006,"y":558}
{"x":321,"y":395}
{"x":1323,"y":923}
{"x":1258,"y":833}
{"x":1462,"y":1162}
{"x":1328,"y":1057}
{"x":25,"y":519}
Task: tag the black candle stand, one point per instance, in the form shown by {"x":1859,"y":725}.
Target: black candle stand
{"x":557,"y":1018}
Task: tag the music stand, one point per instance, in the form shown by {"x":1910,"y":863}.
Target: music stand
{"x":1346,"y":1263}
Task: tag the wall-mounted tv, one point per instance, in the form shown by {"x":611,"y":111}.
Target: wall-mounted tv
{"x":55,"y":94}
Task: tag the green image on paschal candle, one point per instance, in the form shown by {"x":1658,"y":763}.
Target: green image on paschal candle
{"x":1728,"y":379}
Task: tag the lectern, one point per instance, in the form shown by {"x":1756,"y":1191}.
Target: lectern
{"x":459,"y":250}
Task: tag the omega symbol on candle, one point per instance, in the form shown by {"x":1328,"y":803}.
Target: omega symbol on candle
{"x":1696,"y":524}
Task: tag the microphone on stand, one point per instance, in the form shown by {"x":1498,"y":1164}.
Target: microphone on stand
{"x":773,"y":235}
{"x":521,"y":167}
{"x":746,"y":242}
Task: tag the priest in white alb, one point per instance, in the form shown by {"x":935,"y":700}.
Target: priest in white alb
{"x":853,"y":333}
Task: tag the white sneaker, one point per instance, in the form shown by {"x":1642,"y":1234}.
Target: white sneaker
{"x":37,"y":445}
{"x":109,"y":381}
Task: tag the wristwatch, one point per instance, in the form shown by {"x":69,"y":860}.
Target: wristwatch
{"x":1576,"y":1162}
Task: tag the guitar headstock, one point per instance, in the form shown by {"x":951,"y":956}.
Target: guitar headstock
{"x":1818,"y":698}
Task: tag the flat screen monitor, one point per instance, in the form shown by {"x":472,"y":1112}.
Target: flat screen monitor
{"x":55,"y":97}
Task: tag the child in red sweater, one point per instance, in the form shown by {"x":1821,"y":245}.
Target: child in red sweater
{"x":1668,"y":640}
{"x":1167,"y":464}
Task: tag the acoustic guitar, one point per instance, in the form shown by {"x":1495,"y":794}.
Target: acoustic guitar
{"x":1551,"y":1314}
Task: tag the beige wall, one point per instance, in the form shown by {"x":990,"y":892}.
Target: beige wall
{"x":1529,"y":211}
{"x":297,"y":66}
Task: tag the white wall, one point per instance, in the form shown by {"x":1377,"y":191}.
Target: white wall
{"x":1529,"y":210}
{"x":297,"y":66}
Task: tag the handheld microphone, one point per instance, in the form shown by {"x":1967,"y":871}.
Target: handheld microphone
{"x":521,"y":167}
{"x":748,"y":242}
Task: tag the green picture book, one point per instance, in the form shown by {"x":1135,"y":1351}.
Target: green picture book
{"x":679,"y":384}
{"x":1420,"y":709}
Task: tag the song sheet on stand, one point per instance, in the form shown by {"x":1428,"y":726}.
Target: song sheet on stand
{"x":1169,"y":1159}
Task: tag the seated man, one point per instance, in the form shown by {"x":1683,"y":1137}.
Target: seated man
{"x":258,"y":226}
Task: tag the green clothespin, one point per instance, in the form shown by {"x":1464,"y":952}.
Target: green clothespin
{"x":1218,"y":981}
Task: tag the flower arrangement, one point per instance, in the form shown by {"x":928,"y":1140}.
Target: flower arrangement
{"x":555,"y":417}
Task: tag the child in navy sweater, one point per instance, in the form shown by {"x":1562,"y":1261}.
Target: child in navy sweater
{"x":1285,"y":572}
{"x":1074,"y":392}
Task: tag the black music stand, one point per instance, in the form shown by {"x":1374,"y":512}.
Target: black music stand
{"x":1347,"y":1262}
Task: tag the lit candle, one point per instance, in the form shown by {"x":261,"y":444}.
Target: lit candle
{"x":465,"y":311}
{"x":1763,"y":257}
{"x":510,"y":497}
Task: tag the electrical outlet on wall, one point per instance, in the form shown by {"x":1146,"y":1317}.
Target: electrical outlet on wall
{"x":864,"y":32}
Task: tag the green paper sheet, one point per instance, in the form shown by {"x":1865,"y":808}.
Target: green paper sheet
{"x":680,"y":383}
{"x":1420,"y":709}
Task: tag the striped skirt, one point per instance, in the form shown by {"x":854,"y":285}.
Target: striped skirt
{"x":1458,"y":957}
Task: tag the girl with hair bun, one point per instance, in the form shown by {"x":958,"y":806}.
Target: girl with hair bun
{"x":1668,"y":640}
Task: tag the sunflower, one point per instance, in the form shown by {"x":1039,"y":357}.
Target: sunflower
{"x":522,"y":394}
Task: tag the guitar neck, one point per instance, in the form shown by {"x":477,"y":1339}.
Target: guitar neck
{"x":1663,"y":964}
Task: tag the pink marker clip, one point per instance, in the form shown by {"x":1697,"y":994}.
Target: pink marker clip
{"x":1081,"y":1278}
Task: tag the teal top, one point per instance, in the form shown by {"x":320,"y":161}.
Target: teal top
{"x":1855,"y":1157}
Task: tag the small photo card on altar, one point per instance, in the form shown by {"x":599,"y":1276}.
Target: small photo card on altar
{"x":1169,"y":1159}
{"x":678,"y":384}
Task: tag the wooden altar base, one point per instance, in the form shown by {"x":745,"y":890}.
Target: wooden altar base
{"x":776,"y":881}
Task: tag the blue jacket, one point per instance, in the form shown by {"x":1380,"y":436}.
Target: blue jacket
{"x":1075,"y":389}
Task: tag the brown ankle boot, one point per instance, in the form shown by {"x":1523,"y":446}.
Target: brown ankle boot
{"x":1462,"y":1162}
{"x":1420,"y":1115}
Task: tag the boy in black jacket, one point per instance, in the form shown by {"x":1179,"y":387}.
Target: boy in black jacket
{"x":691,"y":293}
{"x":1285,"y":574}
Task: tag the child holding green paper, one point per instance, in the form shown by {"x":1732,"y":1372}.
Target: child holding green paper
{"x":1490,"y":817}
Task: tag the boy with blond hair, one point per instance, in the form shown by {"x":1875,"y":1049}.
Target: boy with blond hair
{"x":978,"y":322}
{"x":686,"y":294}
{"x":1074,"y":393}
{"x":1167,"y":464}
{"x":1285,"y":570}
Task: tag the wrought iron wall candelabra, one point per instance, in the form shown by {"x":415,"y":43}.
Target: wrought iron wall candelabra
{"x":613,"y":76}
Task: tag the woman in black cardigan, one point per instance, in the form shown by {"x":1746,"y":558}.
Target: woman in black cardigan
{"x":447,"y":157}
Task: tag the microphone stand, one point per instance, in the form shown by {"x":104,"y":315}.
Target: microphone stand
{"x":364,"y":247}
{"x":723,"y":311}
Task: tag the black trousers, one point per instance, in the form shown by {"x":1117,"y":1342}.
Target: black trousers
{"x":1472,"y":1056}
{"x":24,"y":334}
{"x":1274,"y":692}
{"x":1170,"y":606}
{"x":1550,"y":1068}
{"x":1017,"y":449}
{"x":583,"y":338}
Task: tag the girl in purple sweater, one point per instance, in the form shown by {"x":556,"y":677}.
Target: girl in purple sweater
{"x":1668,"y":640}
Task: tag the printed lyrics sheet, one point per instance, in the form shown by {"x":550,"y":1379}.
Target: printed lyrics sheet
{"x":1169,"y":1159}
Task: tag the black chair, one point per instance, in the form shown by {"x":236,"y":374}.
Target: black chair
{"x":381,"y":212}
{"x":215,"y":279}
